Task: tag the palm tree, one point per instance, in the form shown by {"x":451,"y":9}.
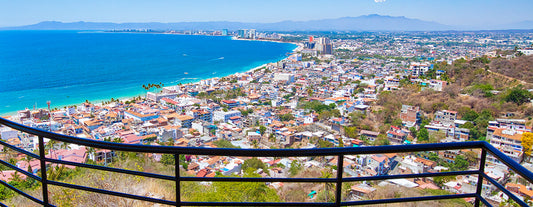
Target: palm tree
{"x":327,"y":186}
{"x":65,"y":145}
{"x":255,"y":144}
{"x":16,"y":177}
{"x":117,"y":140}
{"x":28,"y":159}
{"x":50,"y":146}
{"x":509,"y":202}
{"x":90,"y":151}
{"x":527,"y":200}
{"x":55,"y":173}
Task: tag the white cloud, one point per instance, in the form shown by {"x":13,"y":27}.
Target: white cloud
{"x":380,"y":1}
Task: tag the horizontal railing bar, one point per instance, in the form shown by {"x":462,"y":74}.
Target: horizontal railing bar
{"x":21,"y":170}
{"x":485,"y":202}
{"x":521,"y":170}
{"x":364,"y":202}
{"x":410,"y":199}
{"x":507,"y":192}
{"x":114,"y":193}
{"x":239,"y":179}
{"x":387,"y":177}
{"x":19,"y":150}
{"x":3,"y":205}
{"x":326,"y":151}
{"x":110,"y":169}
{"x":21,"y":192}
{"x":324,"y":180}
{"x":243,"y":152}
{"x":186,"y":203}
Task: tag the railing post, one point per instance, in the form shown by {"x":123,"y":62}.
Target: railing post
{"x":338,"y":187}
{"x":480,"y":176}
{"x":44,"y":181}
{"x":177,"y":172}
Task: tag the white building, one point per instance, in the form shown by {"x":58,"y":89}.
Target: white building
{"x":446,"y":117}
{"x":198,"y":126}
{"x":437,"y":85}
{"x":225,"y":115}
{"x":284,"y":77}
{"x":419,"y":68}
{"x":323,"y":45}
{"x":507,"y":141}
{"x":71,"y":110}
{"x":392,"y":84}
{"x":158,"y":96}
{"x":526,"y":51}
{"x":506,"y":135}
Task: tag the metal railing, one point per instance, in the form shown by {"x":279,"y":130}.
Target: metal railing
{"x":338,"y":180}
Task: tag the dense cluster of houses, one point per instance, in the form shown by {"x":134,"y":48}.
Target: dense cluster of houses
{"x":236,"y":107}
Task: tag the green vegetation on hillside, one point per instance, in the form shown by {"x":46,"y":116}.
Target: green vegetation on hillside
{"x":474,"y":90}
{"x":231,"y":191}
{"x":222,"y":143}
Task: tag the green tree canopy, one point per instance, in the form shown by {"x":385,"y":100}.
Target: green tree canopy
{"x":286,"y":117}
{"x":460,"y":163}
{"x":470,"y":115}
{"x":235,"y":192}
{"x":253,"y":163}
{"x":324,"y":144}
{"x":423,"y":135}
{"x":262,"y":129}
{"x":350,"y":132}
{"x":167,"y":159}
{"x":222,"y":143}
{"x":295,"y":168}
{"x":518,"y":95}
{"x":317,"y":106}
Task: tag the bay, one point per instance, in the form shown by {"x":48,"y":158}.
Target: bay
{"x":69,"y":67}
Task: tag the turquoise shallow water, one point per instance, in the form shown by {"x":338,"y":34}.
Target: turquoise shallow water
{"x":69,"y":67}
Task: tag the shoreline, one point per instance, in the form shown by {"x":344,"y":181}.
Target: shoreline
{"x":192,"y":81}
{"x":298,"y":46}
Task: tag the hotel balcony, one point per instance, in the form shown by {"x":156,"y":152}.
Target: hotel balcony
{"x":339,"y":180}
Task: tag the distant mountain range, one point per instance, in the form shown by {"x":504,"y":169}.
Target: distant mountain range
{"x":371,"y":22}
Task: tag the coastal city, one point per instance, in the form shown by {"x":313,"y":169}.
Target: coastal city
{"x":334,"y":90}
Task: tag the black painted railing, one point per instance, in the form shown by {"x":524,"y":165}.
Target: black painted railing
{"x":338,"y":180}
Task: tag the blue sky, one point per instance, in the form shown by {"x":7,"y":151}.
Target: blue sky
{"x":450,"y":12}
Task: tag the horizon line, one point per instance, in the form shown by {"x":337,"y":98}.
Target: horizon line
{"x":476,"y":27}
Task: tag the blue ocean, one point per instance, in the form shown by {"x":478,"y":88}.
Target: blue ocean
{"x":69,"y":67}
